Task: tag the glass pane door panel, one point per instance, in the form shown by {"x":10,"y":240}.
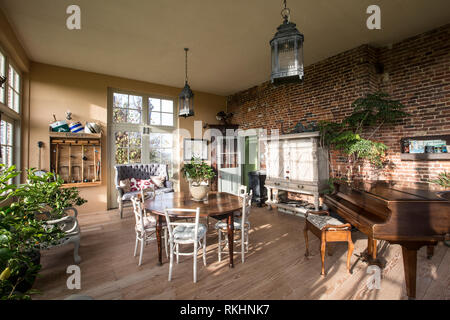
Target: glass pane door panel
{"x":128,"y":147}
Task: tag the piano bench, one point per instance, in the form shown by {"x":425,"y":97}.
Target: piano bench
{"x":327,"y":229}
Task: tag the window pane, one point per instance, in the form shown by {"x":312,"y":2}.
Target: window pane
{"x":119,"y":115}
{"x":155,"y":140}
{"x":9,"y":134}
{"x":6,"y":131}
{"x":3,"y":132}
{"x":154,"y":104}
{"x":2,"y":73}
{"x":166,"y":156}
{"x":155,"y":118}
{"x":134,"y":116}
{"x":122,"y":156}
{"x":16,"y":102}
{"x":11,"y":76}
{"x":135,"y":156}
{"x":134,"y":138}
{"x":121,"y":139}
{"x":2,"y":65}
{"x":16,"y":82}
{"x":167,"y":119}
{"x":136,"y":102}
{"x":166,"y":140}
{"x":155,"y":156}
{"x":167,"y":106}
{"x":10,"y":98}
{"x":120,"y":100}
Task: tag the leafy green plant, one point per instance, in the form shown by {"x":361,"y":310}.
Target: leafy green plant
{"x":21,"y":231}
{"x":197,"y":171}
{"x":443,"y":179}
{"x":370,"y":112}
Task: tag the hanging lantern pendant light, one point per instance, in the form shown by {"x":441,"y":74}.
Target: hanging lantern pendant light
{"x":186,"y":97}
{"x":287,"y":51}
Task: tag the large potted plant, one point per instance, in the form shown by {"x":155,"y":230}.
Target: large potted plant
{"x":352,"y":137}
{"x":198,"y":174}
{"x":21,"y":230}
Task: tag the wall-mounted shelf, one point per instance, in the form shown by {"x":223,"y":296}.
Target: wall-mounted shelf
{"x":404,"y":156}
{"x":76,"y":158}
{"x":424,"y":156}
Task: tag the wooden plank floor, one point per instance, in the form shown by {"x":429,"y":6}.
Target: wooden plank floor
{"x":275,"y":266}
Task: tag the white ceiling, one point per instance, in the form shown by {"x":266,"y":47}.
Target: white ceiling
{"x":228,"y":39}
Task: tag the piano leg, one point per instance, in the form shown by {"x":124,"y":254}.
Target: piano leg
{"x":410,"y":267}
{"x":372,"y":248}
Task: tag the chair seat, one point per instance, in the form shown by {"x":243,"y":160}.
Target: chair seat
{"x":321,"y":221}
{"x":187,"y":232}
{"x":237,"y":224}
{"x":127,"y":196}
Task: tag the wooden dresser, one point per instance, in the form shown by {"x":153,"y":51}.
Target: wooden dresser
{"x":295,"y":163}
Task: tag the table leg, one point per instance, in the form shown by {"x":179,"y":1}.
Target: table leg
{"x":158,"y":238}
{"x":230,"y":231}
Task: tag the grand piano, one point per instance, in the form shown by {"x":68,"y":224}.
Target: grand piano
{"x":408,"y":215}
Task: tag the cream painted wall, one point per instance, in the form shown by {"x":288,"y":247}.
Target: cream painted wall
{"x":53,"y":90}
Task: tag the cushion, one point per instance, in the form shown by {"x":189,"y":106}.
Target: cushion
{"x":187,"y":232}
{"x":125,"y":185}
{"x":237,"y":224}
{"x":145,"y":183}
{"x":127,"y":196}
{"x":321,"y":221}
{"x":158,"y":181}
{"x":134,"y":184}
{"x":149,"y":222}
{"x":139,"y":184}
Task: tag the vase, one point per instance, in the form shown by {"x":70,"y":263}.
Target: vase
{"x":198,"y":192}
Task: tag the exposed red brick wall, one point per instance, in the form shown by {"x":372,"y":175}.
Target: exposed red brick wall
{"x":416,"y":72}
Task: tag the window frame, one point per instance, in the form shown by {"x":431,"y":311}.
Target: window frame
{"x":5,"y":65}
{"x":8,"y":86}
{"x":145,"y":128}
{"x":12,"y":115}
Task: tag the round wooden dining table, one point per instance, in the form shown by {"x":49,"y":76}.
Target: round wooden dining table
{"x":219,"y":205}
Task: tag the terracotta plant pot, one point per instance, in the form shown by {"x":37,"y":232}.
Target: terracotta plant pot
{"x":198,"y":192}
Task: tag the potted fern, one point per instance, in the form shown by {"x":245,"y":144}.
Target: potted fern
{"x":198,"y":174}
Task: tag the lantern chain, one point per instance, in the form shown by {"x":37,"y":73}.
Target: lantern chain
{"x":285,"y":13}
{"x":185,"y":64}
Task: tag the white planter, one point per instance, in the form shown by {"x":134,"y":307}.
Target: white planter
{"x":199,"y":192}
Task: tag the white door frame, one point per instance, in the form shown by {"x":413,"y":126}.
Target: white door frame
{"x":145,"y":138}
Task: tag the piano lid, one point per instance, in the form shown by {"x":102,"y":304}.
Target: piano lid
{"x":397,"y":190}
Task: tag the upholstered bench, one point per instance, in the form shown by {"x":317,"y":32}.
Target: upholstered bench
{"x":327,"y":229}
{"x":139,"y":171}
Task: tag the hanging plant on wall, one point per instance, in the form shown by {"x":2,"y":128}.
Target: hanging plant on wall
{"x":353,"y":136}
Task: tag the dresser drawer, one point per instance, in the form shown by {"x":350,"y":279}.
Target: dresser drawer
{"x":302,"y":187}
{"x":277,"y":184}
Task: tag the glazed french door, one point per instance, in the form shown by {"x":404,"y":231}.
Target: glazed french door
{"x":140,"y":131}
{"x":229,"y":163}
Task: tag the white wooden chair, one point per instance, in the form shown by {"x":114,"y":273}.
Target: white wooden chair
{"x":240,"y":223}
{"x":186,"y":233}
{"x":145,"y":227}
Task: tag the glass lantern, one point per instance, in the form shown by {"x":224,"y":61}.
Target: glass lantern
{"x":186,"y":102}
{"x":287,"y":53}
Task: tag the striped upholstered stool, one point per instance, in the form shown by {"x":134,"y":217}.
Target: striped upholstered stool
{"x":327,"y":229}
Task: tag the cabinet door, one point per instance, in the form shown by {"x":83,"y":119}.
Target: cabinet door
{"x":274,"y":160}
{"x":300,"y":160}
